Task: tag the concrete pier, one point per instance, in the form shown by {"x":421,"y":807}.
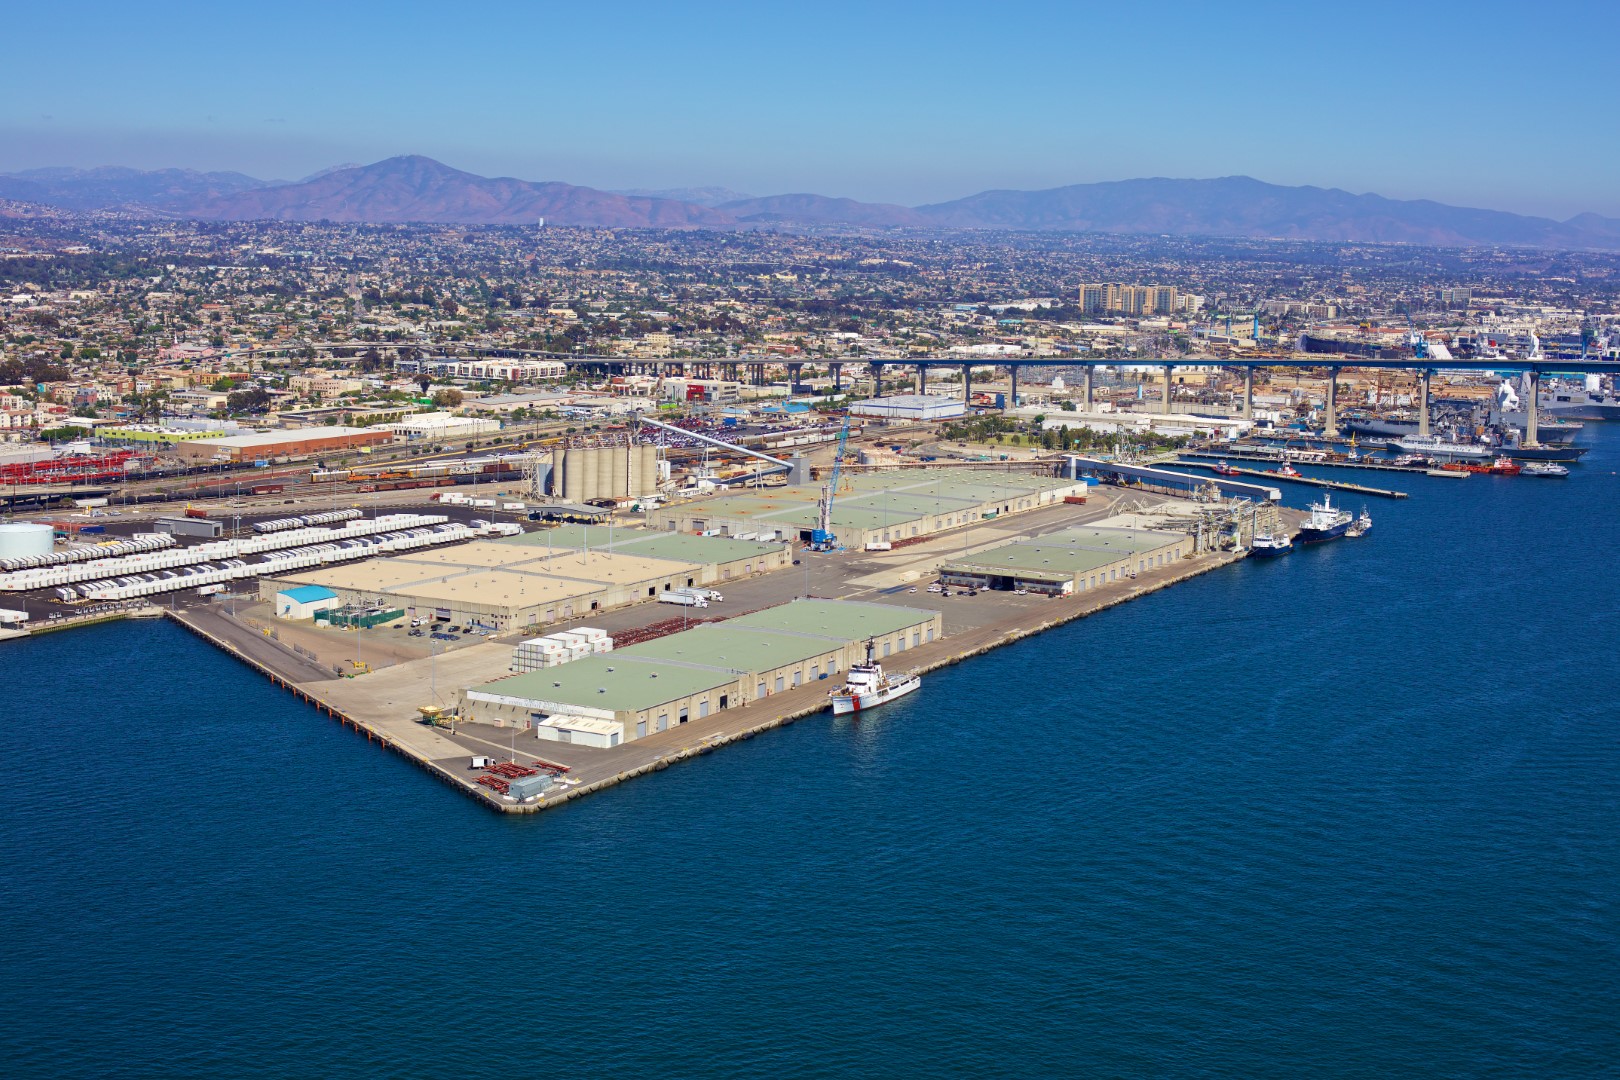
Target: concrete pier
{"x":1085,"y":404}
{"x":1331,"y":420}
{"x":1168,"y":370}
{"x":1248,"y":393}
{"x":382,"y":705}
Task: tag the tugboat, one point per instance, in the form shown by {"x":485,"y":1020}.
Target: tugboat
{"x":1545,"y":468}
{"x":1361,"y":526}
{"x":1502,"y":466}
{"x":1286,"y":470}
{"x":868,"y":686}
{"x":1324,"y":523}
{"x":1266,"y":546}
{"x":1221,"y":468}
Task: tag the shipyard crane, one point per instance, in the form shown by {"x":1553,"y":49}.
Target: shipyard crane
{"x":822,"y":537}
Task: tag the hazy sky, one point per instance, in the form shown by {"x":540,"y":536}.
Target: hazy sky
{"x":1492,"y":104}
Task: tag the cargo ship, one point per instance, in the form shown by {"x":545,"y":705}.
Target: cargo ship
{"x":868,"y":686}
{"x":1325,"y":522}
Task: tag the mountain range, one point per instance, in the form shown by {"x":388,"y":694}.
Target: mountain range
{"x":418,"y":189}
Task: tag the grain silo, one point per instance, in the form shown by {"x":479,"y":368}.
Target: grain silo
{"x":619,"y":466}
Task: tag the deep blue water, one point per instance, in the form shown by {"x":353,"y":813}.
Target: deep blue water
{"x":1354,"y":812}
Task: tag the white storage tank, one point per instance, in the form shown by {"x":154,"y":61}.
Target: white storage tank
{"x":24,"y":539}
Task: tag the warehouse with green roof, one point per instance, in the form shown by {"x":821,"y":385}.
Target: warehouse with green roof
{"x":641,"y":690}
{"x":1067,"y":561}
{"x":877,"y":507}
{"x":731,"y":557}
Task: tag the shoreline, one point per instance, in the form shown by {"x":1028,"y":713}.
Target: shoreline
{"x":421,"y":744}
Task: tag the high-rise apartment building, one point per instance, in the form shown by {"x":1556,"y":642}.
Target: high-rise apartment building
{"x":1113,"y":298}
{"x":1456,"y":298}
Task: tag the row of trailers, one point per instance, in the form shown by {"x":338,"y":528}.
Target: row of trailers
{"x":484,"y":470}
{"x":212,"y":577}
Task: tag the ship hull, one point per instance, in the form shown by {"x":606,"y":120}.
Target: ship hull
{"x":1309,"y":535}
{"x":1574,"y":408}
{"x":1400,"y":429}
{"x":1270,"y":552}
{"x":1542,"y":453}
{"x":844,"y":704}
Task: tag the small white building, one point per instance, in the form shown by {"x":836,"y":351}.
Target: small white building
{"x":581,"y":731}
{"x":442,"y":425}
{"x":305,"y":602}
{"x":914,"y":407}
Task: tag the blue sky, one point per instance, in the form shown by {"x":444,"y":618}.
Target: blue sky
{"x":1480,"y":104}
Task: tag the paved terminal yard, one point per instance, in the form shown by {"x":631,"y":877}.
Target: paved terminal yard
{"x":384,"y":703}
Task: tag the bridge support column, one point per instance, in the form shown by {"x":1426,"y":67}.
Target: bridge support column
{"x":1331,"y":420}
{"x":967,"y":384}
{"x":1169,"y":369}
{"x":1532,"y":406}
{"x":838,"y":377}
{"x":795,"y":373}
{"x":1248,"y":393}
{"x":877,"y":379}
{"x":921,"y":381}
{"x":1012,"y":398}
{"x":1423,"y":401}
{"x":1085,"y":394}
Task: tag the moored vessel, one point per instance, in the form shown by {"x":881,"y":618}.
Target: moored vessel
{"x":1266,"y":545}
{"x":1545,"y":468}
{"x":1326,"y":522}
{"x":868,"y":686}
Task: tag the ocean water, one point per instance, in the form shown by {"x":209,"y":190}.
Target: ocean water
{"x":1350,"y":813}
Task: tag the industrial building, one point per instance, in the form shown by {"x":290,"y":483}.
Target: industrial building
{"x":644,"y":689}
{"x":730,"y":558}
{"x":1069,"y":561}
{"x":911,"y":407}
{"x":504,"y":586}
{"x":273,"y":445}
{"x":156,"y":434}
{"x":305,"y":602}
{"x":441,"y":425}
{"x":879,"y":506}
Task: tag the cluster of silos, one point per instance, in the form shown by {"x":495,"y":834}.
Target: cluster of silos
{"x":604,"y":472}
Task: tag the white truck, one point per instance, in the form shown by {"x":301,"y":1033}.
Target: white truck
{"x":682,"y":597}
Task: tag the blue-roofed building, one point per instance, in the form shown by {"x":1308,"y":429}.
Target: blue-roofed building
{"x":305,"y":601}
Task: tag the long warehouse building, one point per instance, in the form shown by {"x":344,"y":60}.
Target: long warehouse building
{"x":1067,"y":561}
{"x":881,"y":506}
{"x":644,"y":689}
{"x":508,"y":586}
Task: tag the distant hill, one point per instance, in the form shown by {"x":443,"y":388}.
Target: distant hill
{"x":821,"y":210}
{"x":415,"y":188}
{"x":703,"y":196}
{"x":1241,"y":206}
{"x":94,"y":189}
